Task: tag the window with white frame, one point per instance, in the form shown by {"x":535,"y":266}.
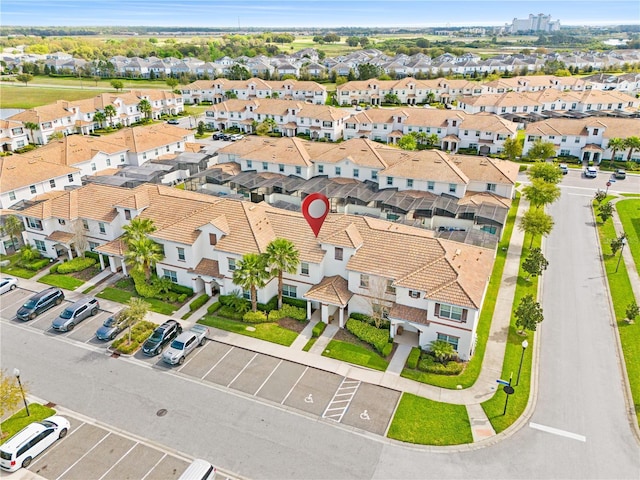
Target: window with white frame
{"x":289,"y":291}
{"x":338,"y":171}
{"x":40,"y":245}
{"x":391,"y":287}
{"x":409,"y":182}
{"x":414,"y":294}
{"x":32,"y":189}
{"x":232,"y":263}
{"x":304,"y":268}
{"x":52,"y":183}
{"x":170,"y":274}
{"x":298,"y":170}
{"x":452,"y":188}
{"x":320,"y":168}
{"x":249,"y":164}
{"x":85,"y":224}
{"x":431,"y":185}
{"x":449,"y":339}
{"x":491,"y":187}
{"x":93,"y":167}
{"x":390,"y":181}
{"x":281,"y":168}
{"x":356,"y":173}
{"x":374,"y":175}
{"x":102,"y":228}
{"x":364,"y":281}
{"x":108,"y":162}
{"x":70,"y":178}
{"x":339,"y":253}
{"x":34,"y":223}
{"x":246,"y":294}
{"x":265,"y":166}
{"x":12,"y":196}
{"x":181,"y":256}
{"x":93,"y":246}
{"x":451,"y":312}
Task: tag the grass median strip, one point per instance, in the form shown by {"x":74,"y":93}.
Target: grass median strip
{"x":350,"y":353}
{"x":19,"y":420}
{"x":270,"y":332}
{"x":123,"y":296}
{"x":427,"y":422}
{"x":62,"y":281}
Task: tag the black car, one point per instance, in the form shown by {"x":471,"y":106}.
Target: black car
{"x":160,"y":337}
{"x":40,"y":302}
{"x":218,"y":136}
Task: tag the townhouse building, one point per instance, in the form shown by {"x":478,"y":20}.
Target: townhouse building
{"x":290,"y":117}
{"x":69,"y":117}
{"x":433,"y":287}
{"x":216,"y":91}
{"x":586,"y":139}
{"x":551,"y":100}
{"x":13,"y":135}
{"x":454,"y":129}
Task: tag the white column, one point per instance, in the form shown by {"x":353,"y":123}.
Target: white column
{"x":101,"y":261}
{"x":112,"y":264}
{"x":124,"y":267}
{"x":324,"y":313}
{"x":70,"y":253}
{"x":341,"y":317}
{"x":308,"y":309}
{"x":208,"y":289}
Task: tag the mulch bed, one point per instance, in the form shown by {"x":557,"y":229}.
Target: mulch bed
{"x":86,"y":274}
{"x":292,"y":324}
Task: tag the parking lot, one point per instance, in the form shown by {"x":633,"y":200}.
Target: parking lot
{"x":310,"y":390}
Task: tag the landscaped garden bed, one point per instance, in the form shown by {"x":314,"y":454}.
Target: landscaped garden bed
{"x":23,"y":268}
{"x":19,"y":420}
{"x":125,"y":289}
{"x":139,"y":334}
{"x":346,"y":347}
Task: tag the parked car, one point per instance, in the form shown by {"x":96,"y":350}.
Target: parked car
{"x":75,"y":313}
{"x":173,"y":121}
{"x":235,"y":137}
{"x":110,"y":328}
{"x":31,"y":441}
{"x":161,"y":336}
{"x":7,"y":283}
{"x":591,"y":172}
{"x":40,"y":302}
{"x":184,"y":344}
{"x":620,"y":174}
{"x":218,"y":136}
{"x":564,"y":168}
{"x":199,"y":470}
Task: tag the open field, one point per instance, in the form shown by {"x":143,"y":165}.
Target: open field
{"x":16,"y":96}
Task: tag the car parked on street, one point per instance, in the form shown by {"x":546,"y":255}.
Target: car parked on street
{"x":20,"y":450}
{"x":40,"y":302}
{"x":7,"y":284}
{"x":564,"y":168}
{"x":184,"y":344}
{"x":75,"y":313}
{"x":110,"y":328}
{"x":218,"y":136}
{"x":235,"y":137}
{"x":620,"y":174}
{"x":160,"y":337}
{"x":591,"y":172}
{"x":173,"y":121}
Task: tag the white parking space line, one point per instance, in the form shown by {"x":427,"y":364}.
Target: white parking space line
{"x":153,"y":468}
{"x":119,"y":460}
{"x":86,"y":453}
{"x":217,"y":363}
{"x":55,"y":445}
{"x":191,"y":357}
{"x":341,"y":399}
{"x":294,"y":386}
{"x":268,"y":377}
{"x":243,"y":369}
{"x":557,"y":431}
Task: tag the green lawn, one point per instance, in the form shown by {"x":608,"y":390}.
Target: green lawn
{"x":350,"y":353}
{"x":19,"y":420}
{"x":14,"y":270}
{"x":309,"y":344}
{"x":129,"y":84}
{"x":629,"y":213}
{"x":621,"y":296}
{"x":426,"y":422}
{"x":470,"y":374}
{"x":122,"y":296}
{"x":494,"y":407}
{"x":16,"y":96}
{"x":63,"y":281}
{"x":270,"y":332}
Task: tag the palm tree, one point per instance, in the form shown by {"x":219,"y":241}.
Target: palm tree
{"x":632,"y":143}
{"x":31,"y":127}
{"x":145,"y":107}
{"x":442,"y":350}
{"x":12,"y":226}
{"x":251,"y":273}
{"x":143,"y":254}
{"x":138,"y":228}
{"x":616,"y":144}
{"x":282,"y":257}
{"x":110,"y":112}
{"x":99,"y":118}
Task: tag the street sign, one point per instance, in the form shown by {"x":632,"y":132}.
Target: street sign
{"x":503,"y":382}
{"x":608,"y":184}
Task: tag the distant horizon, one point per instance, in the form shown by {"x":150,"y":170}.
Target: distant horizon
{"x":310,"y":14}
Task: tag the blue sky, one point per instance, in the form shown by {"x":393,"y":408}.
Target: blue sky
{"x":311,"y":13}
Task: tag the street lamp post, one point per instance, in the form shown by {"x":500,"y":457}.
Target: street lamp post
{"x":624,"y":242}
{"x":525,"y":344}
{"x":16,"y":372}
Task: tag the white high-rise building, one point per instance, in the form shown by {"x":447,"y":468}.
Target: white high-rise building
{"x":536,"y":23}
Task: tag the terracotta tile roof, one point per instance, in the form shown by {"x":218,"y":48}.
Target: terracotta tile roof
{"x":207,"y":268}
{"x":349,"y":237}
{"x":115,"y":247}
{"x":613,"y":127}
{"x":18,"y":171}
{"x":331,"y":290}
{"x":60,"y":236}
{"x":426,"y":165}
{"x":145,"y":138}
{"x":412,"y":314}
{"x":486,"y":169}
{"x":75,"y":149}
{"x":286,"y":150}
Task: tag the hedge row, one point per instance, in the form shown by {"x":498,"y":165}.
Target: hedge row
{"x":290,"y":311}
{"x":318,"y":329}
{"x":255,"y":317}
{"x":37,"y":264}
{"x":273,"y":303}
{"x":414,"y":358}
{"x":181,"y":290}
{"x":430,"y":365}
{"x":386,"y":324}
{"x":213,"y":308}
{"x":198,"y":302}
{"x":229,"y":312}
{"x":76,"y":265}
{"x":376,"y":337}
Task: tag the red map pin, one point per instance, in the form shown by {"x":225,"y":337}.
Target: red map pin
{"x":315,"y":208}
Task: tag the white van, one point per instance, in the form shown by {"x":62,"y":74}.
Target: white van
{"x":31,"y":441}
{"x":199,"y":470}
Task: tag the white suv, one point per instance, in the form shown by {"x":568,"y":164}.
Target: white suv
{"x":591,"y":172}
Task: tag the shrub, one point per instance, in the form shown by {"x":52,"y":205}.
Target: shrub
{"x":198,"y":302}
{"x":386,"y":351}
{"x":213,"y":308}
{"x":229,"y":312}
{"x":37,"y":264}
{"x":376,"y":337}
{"x":318,"y":329}
{"x":76,"y":265}
{"x":296,"y":302}
{"x":181,"y":289}
{"x":255,"y":317}
{"x":182,"y":298}
{"x":430,"y":365}
{"x":370,"y":320}
{"x":144,"y":289}
{"x":54,"y":269}
{"x":288,"y":311}
{"x":414,"y":358}
{"x":522,"y":168}
{"x":94,"y":255}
